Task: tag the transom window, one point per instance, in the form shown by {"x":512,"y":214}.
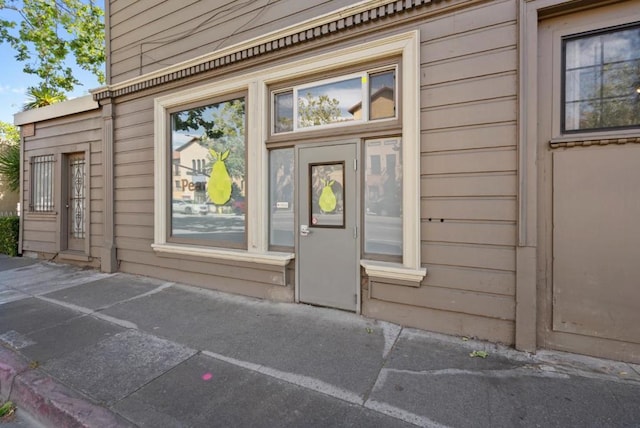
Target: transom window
{"x":344,"y":100}
{"x":602,"y":80}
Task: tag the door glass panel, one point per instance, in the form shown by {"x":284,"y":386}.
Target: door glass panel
{"x":326,"y":195}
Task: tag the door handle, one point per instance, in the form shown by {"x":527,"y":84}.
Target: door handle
{"x":304,"y":230}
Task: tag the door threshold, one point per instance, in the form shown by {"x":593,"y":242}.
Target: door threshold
{"x":74,"y":255}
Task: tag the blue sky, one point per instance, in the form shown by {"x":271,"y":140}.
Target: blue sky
{"x":14,"y":82}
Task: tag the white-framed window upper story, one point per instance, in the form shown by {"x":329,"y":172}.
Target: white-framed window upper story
{"x":596,"y":79}
{"x":257,"y":122}
{"x":601,"y":79}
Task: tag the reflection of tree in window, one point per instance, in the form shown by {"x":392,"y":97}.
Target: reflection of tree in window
{"x":602,"y":79}
{"x":221,"y":127}
{"x":321,"y":110}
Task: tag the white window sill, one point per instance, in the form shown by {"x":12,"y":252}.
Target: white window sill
{"x":271,"y":258}
{"x":393,"y":271}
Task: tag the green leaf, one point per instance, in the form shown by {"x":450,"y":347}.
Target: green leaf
{"x":46,"y":33}
{"x":10,"y":155}
{"x":42,"y":96}
{"x":479,"y":354}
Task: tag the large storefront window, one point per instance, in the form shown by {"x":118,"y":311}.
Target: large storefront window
{"x":208,"y":185}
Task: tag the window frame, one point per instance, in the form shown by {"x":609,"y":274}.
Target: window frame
{"x":564,"y":39}
{"x":50,"y":163}
{"x":363,"y":70}
{"x":581,"y":26}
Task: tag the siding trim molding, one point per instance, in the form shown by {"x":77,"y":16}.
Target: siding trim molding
{"x":338,"y":21}
{"x":594,"y":142}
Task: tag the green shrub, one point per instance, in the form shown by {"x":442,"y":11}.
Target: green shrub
{"x":9,"y":229}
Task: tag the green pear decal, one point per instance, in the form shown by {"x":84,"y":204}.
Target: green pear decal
{"x":219,"y":186}
{"x":327,"y":200}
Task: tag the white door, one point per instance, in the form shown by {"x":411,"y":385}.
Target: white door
{"x":328,"y":267}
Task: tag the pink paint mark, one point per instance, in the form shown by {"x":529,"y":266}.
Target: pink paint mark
{"x":207,"y":376}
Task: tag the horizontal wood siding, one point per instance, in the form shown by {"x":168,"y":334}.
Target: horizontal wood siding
{"x":148,"y":35}
{"x":468,"y":163}
{"x":59,"y":136}
{"x":468,"y":170}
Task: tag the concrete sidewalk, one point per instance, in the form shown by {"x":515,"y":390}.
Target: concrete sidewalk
{"x":82,"y":348}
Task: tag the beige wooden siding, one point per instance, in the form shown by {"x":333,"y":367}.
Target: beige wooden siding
{"x":59,"y":136}
{"x":134,"y":218}
{"x":468,"y":166}
{"x":468,"y":178}
{"x":148,"y":35}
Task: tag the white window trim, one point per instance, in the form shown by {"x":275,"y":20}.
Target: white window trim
{"x":366,"y":101}
{"x":256,"y":85}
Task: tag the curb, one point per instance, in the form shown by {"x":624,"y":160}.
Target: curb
{"x":47,"y":400}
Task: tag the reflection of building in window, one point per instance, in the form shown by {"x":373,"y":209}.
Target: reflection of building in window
{"x":189,"y":159}
{"x":376,"y":167}
{"x":384,"y":186}
{"x":382,"y":105}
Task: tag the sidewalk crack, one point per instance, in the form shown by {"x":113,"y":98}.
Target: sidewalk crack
{"x":381,"y":377}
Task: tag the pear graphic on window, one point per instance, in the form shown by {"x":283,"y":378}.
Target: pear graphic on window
{"x":219,"y":186}
{"x":327,"y":200}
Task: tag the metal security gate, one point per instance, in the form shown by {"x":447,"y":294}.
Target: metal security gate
{"x":76,"y":202}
